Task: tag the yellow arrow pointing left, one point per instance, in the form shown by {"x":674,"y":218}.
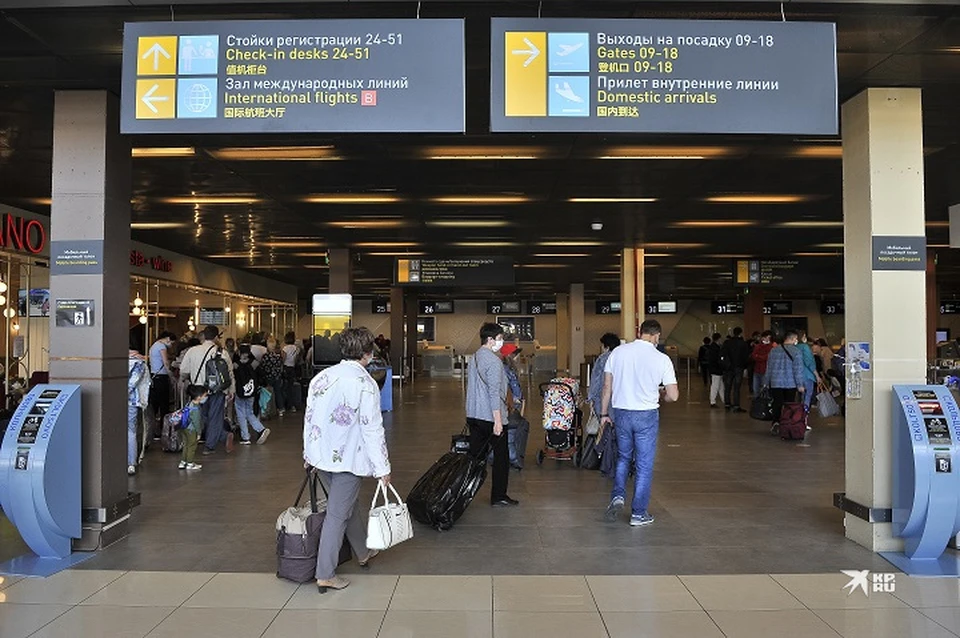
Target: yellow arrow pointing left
{"x":156,"y":99}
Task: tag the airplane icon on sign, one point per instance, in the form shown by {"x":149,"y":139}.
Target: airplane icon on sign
{"x":567,"y":49}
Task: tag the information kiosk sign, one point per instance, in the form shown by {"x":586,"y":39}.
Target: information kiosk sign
{"x":663,"y":76}
{"x":294,"y":76}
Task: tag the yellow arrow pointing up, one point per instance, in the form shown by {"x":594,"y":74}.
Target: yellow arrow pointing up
{"x":157,"y":55}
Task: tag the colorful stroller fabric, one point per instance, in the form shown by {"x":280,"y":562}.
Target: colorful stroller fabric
{"x":560,"y":403}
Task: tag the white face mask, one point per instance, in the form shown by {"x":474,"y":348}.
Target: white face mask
{"x":497,"y":345}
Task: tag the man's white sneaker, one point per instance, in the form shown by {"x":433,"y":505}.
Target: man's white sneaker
{"x":193,"y":466}
{"x":640,"y":521}
{"x":613,"y":510}
{"x":182,"y":466}
{"x":131,"y":470}
{"x":245,"y":442}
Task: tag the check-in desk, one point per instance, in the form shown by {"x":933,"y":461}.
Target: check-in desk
{"x":437,"y":361}
{"x":544,"y":359}
{"x":926,"y":479}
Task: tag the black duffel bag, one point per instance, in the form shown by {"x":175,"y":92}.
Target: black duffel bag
{"x":445,"y":491}
{"x":761,"y":408}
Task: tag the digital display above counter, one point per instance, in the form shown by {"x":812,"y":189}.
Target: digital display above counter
{"x":498,"y":307}
{"x":662,"y":308}
{"x":813,"y":272}
{"x":663,"y":76}
{"x":436,"y":308}
{"x":294,"y":76}
{"x":726,"y":308}
{"x":541,"y":307}
{"x":778,"y":307}
{"x":608,"y":307}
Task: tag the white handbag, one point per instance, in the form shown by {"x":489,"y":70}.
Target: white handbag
{"x":389,"y":523}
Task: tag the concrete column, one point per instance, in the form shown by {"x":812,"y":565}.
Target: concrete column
{"x":632,"y":292}
{"x":563,"y":332}
{"x":882,"y":195}
{"x":396,"y":329}
{"x":91,"y":202}
{"x":753,"y":312}
{"x":411,"y":307}
{"x":576,"y":330}
{"x":341,"y":271}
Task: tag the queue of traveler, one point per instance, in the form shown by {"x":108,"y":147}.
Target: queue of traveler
{"x":256,"y":378}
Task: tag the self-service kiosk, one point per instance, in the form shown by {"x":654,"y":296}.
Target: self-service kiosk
{"x":40,"y":474}
{"x":926,"y":478}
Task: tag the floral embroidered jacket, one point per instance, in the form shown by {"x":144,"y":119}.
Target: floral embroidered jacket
{"x":343,"y":427}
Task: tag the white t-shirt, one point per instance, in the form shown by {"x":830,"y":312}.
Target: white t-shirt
{"x":638,"y":370}
{"x":291,"y":353}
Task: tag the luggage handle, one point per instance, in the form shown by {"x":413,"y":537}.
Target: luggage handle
{"x":386,"y":497}
{"x":311,"y":473}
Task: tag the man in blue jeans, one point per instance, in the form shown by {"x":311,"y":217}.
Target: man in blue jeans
{"x":637,"y":375}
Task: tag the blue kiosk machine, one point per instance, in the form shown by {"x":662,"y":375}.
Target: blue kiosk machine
{"x":926,"y":479}
{"x":40,"y":479}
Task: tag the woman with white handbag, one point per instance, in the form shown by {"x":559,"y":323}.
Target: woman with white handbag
{"x":343,"y":438}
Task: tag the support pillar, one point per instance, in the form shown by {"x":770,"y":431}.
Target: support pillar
{"x":753,"y":312}
{"x":576,"y":330}
{"x":563,"y":332}
{"x":933,"y":305}
{"x":396,"y":330}
{"x":341,"y":271}
{"x":411,"y":307}
{"x":882,"y":195}
{"x":632,"y":293}
{"x":91,"y":203}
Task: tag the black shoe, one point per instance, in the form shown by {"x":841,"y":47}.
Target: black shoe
{"x":207,"y":452}
{"x":506,"y":501}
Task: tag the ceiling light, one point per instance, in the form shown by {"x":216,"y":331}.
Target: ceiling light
{"x":480,"y":199}
{"x":757,"y":199}
{"x":818,"y":151}
{"x":718,"y":223}
{"x":834,"y":245}
{"x":482,"y":153}
{"x":292,"y":244}
{"x":387,"y":244}
{"x":698,"y":266}
{"x":163,"y":151}
{"x":468,"y":223}
{"x":351,"y":198}
{"x":812,"y":254}
{"x":246,"y":255}
{"x":379,"y":223}
{"x":572,"y":243}
{"x":810,"y":224}
{"x":544,"y":265}
{"x":612,"y":200}
{"x":728,"y":256}
{"x":277,"y":153}
{"x":673,"y":245}
{"x":562,"y":255}
{"x":395,"y":254}
{"x":485,"y":244}
{"x":159,"y":225}
{"x":212,"y":199}
{"x":665,"y":153}
{"x":942,"y":224}
{"x":310,"y":255}
{"x":271,"y":266}
{"x":596,"y":226}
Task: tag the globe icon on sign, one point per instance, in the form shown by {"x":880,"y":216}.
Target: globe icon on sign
{"x":199,"y":99}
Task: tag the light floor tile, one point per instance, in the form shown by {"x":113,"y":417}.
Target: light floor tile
{"x":443,"y":593}
{"x":216,"y":623}
{"x":826,"y":591}
{"x":19,"y":621}
{"x":244,"y":591}
{"x":151,"y":589}
{"x":365,"y":593}
{"x":928,"y":592}
{"x":69,"y":587}
{"x":6,"y":581}
{"x":116,"y":622}
{"x":641,"y":593}
{"x":542,"y":594}
{"x":785,"y":623}
{"x":882,"y":623}
{"x":661,"y":624}
{"x":522,"y":624}
{"x":437,"y":624}
{"x":948,"y":617}
{"x":325,"y":622}
{"x":747,"y":592}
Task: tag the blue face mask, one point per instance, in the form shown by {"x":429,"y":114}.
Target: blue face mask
{"x":202,"y":400}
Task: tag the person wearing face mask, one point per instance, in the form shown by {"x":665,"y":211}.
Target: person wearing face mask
{"x":486,"y":410}
{"x":343,"y":439}
{"x":637,"y":377}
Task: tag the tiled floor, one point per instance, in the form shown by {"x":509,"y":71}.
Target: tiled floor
{"x":98,"y":603}
{"x":728,"y":499}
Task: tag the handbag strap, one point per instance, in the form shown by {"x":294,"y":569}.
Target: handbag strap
{"x":386,"y":497}
{"x":311,"y":479}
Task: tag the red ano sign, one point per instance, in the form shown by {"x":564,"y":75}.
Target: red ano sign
{"x":25,"y":235}
{"x":139,"y":260}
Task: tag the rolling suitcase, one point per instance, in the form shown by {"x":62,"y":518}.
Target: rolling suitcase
{"x":444,"y":492}
{"x":793,"y":422}
{"x":298,"y":536}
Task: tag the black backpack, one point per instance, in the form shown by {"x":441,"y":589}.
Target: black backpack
{"x":246,"y":380}
{"x":216,"y":372}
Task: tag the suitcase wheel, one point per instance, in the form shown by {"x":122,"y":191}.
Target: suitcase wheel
{"x":775,"y":429}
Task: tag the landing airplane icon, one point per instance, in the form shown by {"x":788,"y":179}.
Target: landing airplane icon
{"x":567,"y":92}
{"x":567,"y":49}
{"x":532,"y":51}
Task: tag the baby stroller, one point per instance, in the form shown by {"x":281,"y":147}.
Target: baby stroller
{"x":562,"y":420}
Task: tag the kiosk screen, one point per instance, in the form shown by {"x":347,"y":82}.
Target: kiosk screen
{"x":29,"y":430}
{"x":938,"y":433}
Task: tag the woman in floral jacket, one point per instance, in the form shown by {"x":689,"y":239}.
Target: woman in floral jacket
{"x":343,"y":438}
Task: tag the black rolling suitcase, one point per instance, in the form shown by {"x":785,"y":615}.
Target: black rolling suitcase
{"x":298,"y":536}
{"x":442,"y":495}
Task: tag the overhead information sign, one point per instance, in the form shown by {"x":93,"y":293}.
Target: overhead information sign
{"x":663,"y":76}
{"x":294,"y":76}
{"x":456,"y":272}
{"x":815,"y":272}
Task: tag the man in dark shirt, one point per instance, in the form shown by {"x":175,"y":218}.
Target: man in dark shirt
{"x":735,"y":355}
